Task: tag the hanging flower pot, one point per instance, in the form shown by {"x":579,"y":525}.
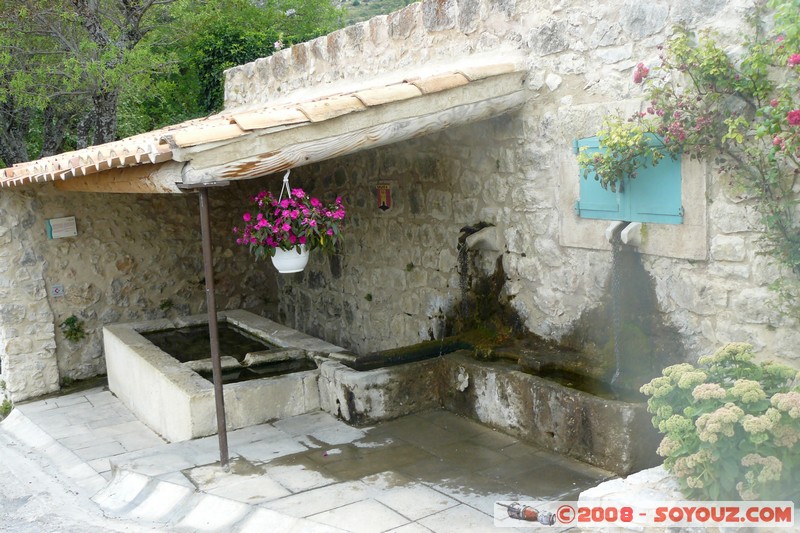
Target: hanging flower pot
{"x":290,"y":261}
{"x":287,"y":228}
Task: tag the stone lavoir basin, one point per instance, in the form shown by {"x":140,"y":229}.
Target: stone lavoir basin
{"x":173,"y":394}
{"x":173,"y":399}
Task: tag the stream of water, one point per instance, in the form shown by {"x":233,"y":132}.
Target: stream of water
{"x":616,"y":305}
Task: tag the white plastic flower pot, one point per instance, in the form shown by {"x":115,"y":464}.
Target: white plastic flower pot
{"x":290,"y":261}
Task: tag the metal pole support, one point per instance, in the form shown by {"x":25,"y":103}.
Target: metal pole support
{"x":213,"y":329}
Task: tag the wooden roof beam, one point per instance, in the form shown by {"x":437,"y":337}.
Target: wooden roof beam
{"x":257,"y":155}
{"x":303,"y":153}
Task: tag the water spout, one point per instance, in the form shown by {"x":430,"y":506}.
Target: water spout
{"x":488,"y":239}
{"x":613,"y":230}
{"x":632,"y":234}
{"x":629,"y":233}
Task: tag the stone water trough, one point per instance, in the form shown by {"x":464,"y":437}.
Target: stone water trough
{"x":176,"y":402}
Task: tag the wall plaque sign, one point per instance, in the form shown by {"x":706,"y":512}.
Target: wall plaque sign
{"x":61,"y":227}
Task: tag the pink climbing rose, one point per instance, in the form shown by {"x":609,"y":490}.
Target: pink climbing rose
{"x":793,"y":117}
{"x":794,"y":60}
{"x":640,"y":73}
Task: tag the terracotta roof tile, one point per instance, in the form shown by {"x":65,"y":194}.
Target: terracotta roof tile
{"x":331,"y":107}
{"x":442,"y":82}
{"x":256,"y":120}
{"x":387,"y":94}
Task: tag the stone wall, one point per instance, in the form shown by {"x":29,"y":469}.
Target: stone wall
{"x":135,"y":257}
{"x":397,"y":277}
{"x":518,"y":172}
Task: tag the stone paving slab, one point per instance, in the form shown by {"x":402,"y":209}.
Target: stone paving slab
{"x":432,"y":471}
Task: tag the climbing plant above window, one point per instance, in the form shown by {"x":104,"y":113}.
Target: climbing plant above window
{"x":640,"y":191}
{"x":622,"y":150}
{"x":740,"y":113}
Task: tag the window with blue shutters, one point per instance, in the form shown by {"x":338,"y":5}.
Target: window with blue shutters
{"x":653,"y":196}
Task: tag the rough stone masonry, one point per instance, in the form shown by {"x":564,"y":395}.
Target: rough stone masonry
{"x":396,"y":282}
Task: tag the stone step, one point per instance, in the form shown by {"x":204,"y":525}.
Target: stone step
{"x":131,"y":495}
{"x":53,"y":457}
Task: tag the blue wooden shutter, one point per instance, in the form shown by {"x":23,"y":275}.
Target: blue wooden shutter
{"x":654,"y":195}
{"x":595,"y":201}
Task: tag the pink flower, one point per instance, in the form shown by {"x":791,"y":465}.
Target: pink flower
{"x":793,"y":117}
{"x":271,"y":224}
{"x":640,"y":73}
{"x":794,"y":60}
{"x":773,"y":102}
{"x":778,"y":142}
{"x":779,"y":39}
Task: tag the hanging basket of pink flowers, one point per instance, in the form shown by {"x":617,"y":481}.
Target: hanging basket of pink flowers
{"x":287,"y":229}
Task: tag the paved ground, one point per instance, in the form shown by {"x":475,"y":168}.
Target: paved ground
{"x":432,"y":471}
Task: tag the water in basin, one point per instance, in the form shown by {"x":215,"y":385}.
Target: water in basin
{"x":192,"y":343}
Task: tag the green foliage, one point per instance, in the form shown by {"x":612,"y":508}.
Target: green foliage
{"x":72,"y":328}
{"x":731,"y":426}
{"x":88,"y":71}
{"x":741,"y":112}
{"x":166,"y":304}
{"x":63,"y":66}
{"x":360,"y":10}
{"x":5,"y":408}
{"x":211,"y":36}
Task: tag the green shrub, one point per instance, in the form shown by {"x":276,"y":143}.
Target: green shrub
{"x":731,"y":426}
{"x":73,"y":329}
{"x":5,"y":408}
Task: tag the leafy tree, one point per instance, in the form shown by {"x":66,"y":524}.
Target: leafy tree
{"x":220,"y":34}
{"x":62,"y":66}
{"x":79,"y":72}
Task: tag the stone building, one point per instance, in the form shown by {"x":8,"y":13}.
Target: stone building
{"x":467,"y":110}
